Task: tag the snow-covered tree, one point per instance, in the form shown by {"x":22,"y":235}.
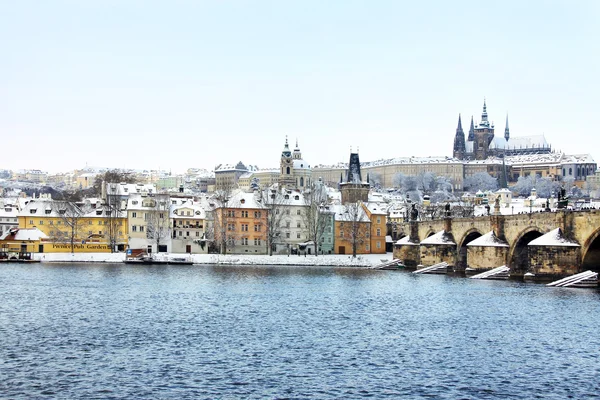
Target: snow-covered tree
{"x":480,"y":181}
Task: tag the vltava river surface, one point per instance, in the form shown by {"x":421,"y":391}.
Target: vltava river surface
{"x":117,"y":331}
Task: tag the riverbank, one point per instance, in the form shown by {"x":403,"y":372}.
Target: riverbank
{"x":365,"y":260}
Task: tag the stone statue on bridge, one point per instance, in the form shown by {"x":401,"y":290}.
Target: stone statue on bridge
{"x":414,"y":213}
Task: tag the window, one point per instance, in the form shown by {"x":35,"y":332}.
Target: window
{"x":367,"y":247}
{"x":287,"y":235}
{"x":244,"y":227}
{"x":51,"y":222}
{"x":141,"y":228}
{"x":100,"y":222}
{"x":89,"y":222}
{"x":257,"y":228}
{"x":256,"y":242}
{"x":368,"y":234}
{"x":180,"y":233}
{"x":298,"y":212}
{"x":287,"y":212}
{"x":231,"y":227}
{"x":378,"y":245}
{"x":134,"y":228}
{"x":378,"y":231}
{"x":341,"y":233}
{"x":277,"y":211}
{"x":231,"y":213}
{"x":245,"y":241}
{"x":162,"y":215}
{"x":298,"y":235}
{"x":256,"y":214}
{"x":298,"y":224}
{"x":244,"y":214}
{"x":287,"y":224}
{"x":41,"y":222}
{"x":197,"y":234}
{"x":378,"y":220}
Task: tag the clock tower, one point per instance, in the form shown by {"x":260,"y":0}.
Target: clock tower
{"x":286,"y":176}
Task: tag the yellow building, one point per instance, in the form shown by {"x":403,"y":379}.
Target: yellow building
{"x":20,"y":243}
{"x":91,"y":228}
{"x":378,"y":217}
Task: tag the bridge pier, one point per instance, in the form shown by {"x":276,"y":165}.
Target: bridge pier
{"x":407,"y":248}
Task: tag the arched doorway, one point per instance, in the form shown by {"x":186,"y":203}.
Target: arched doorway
{"x":519,"y":260}
{"x":461,"y":257}
{"x":591,"y":258}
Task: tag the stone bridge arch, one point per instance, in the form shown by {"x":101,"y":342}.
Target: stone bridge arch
{"x":590,"y":252}
{"x":461,"y":244}
{"x":518,"y":255}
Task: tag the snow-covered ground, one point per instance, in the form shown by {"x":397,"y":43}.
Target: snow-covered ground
{"x":365,"y":260}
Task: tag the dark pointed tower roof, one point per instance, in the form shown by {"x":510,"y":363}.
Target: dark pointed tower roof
{"x":353,"y":174}
{"x":506,"y":131}
{"x":471,"y":131}
{"x":484,"y":116}
{"x":459,"y":141}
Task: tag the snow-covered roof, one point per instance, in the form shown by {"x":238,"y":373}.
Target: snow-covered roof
{"x":125,"y":189}
{"x":23,"y":234}
{"x":245,"y":200}
{"x":405,"y":241}
{"x":180,"y":211}
{"x":578,"y":159}
{"x":488,"y":240}
{"x":377,"y":208}
{"x":554,"y":238}
{"x":442,"y":237}
{"x":300,"y":164}
{"x":346,"y":213}
{"x":519,"y":142}
{"x":412,"y":160}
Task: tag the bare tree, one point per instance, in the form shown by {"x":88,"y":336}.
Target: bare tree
{"x":274,"y":199}
{"x":70,"y":227}
{"x":112,"y":220}
{"x":222,"y":234}
{"x":313,"y":218}
{"x":356,"y":225}
{"x":158,"y":227}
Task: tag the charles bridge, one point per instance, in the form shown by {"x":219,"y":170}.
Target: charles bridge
{"x":547,"y":244}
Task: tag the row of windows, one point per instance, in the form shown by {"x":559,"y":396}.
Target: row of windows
{"x":62,"y":233}
{"x":231,"y":227}
{"x":146,"y":215}
{"x":243,"y":214}
{"x":287,"y":211}
{"x":187,"y":233}
{"x":244,"y":241}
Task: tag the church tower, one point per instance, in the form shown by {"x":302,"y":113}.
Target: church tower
{"x":353,"y":189}
{"x":459,"y":142}
{"x":286,"y":176}
{"x":483,"y":136}
{"x":506,"y":131}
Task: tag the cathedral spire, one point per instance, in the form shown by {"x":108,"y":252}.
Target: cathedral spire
{"x":459,"y":141}
{"x":471,"y":131}
{"x":506,"y":131}
{"x":484,"y":115}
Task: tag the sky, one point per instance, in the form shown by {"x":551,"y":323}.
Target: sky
{"x":181,"y":84}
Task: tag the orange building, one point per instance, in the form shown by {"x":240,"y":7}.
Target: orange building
{"x":240,"y":226}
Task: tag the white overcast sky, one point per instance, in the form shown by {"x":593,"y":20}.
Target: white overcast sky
{"x":178,"y":84}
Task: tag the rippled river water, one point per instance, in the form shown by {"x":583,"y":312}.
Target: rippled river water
{"x":117,"y":331}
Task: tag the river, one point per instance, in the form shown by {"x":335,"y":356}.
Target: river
{"x":234,"y":332}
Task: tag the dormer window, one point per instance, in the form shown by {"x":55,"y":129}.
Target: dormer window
{"x":243,"y":201}
{"x":48,"y":211}
{"x":62,"y":212}
{"x":99,"y":212}
{"x":296,"y":197}
{"x":287,"y":197}
{"x":134,"y":202}
{"x":33,"y":210}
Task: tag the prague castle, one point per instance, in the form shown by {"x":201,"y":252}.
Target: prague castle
{"x":481,"y":142}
